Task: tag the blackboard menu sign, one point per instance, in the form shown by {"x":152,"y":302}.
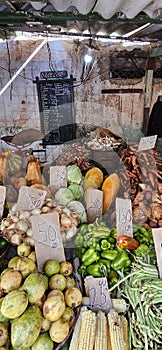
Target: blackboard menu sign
{"x":56,"y":106}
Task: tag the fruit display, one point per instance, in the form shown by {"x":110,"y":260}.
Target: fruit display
{"x":50,"y":309}
{"x":37,"y":309}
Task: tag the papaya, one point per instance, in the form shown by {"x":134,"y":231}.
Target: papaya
{"x":43,"y":342}
{"x":35,"y":286}
{"x":14,"y":304}
{"x":26,"y":328}
{"x":110,"y":189}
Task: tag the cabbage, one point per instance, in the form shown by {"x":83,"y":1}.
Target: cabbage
{"x":74,"y":174}
{"x":77,"y":191}
{"x":78,"y":207}
{"x":64,"y":196}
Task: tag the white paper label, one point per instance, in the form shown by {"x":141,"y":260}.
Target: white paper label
{"x":47,"y":237}
{"x":147,"y":142}
{"x":157,"y":236}
{"x":58,"y":177}
{"x":2,"y":199}
{"x":30,"y":198}
{"x":98,"y":293}
{"x":94,"y":203}
{"x":124,"y":217}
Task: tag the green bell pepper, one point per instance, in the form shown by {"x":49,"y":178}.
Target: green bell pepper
{"x":113,"y":233}
{"x":96,"y":270}
{"x":112,"y":278}
{"x":142,"y":249}
{"x":105,"y":244}
{"x":82,"y":270}
{"x":78,"y":240}
{"x":121,"y":261}
{"x":79,"y":251}
{"x":109,"y":254}
{"x":106,"y":263}
{"x":93,"y":243}
{"x":89,"y":257}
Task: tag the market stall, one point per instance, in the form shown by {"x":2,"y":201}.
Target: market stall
{"x":80,"y":247}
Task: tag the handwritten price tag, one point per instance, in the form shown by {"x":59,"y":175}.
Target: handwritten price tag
{"x":2,"y":199}
{"x":98,"y":293}
{"x":124,"y":217}
{"x":147,"y":142}
{"x":30,"y":198}
{"x":47,"y":237}
{"x":58,"y":177}
{"x":94,"y":203}
{"x":157,"y":236}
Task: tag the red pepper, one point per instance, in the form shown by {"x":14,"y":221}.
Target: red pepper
{"x":127,"y":242}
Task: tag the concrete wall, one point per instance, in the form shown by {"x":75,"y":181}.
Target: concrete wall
{"x":19,"y":103}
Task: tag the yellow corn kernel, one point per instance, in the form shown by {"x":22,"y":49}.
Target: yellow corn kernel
{"x":124,"y":323}
{"x":116,"y":331}
{"x":101,"y":332}
{"x":87,"y":331}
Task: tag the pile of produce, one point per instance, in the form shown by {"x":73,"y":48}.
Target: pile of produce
{"x":37,"y":310}
{"x":142,"y":288}
{"x":102,"y":254}
{"x":94,"y":331}
{"x":141,"y":181}
{"x":17,"y":228}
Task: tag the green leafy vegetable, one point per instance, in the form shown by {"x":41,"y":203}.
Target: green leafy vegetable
{"x":74,"y":174}
{"x":64,"y":196}
{"x":77,"y":191}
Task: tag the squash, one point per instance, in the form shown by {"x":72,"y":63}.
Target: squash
{"x":110,"y":188}
{"x":93,"y":178}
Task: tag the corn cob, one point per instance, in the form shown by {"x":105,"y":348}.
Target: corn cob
{"x":101,"y":332}
{"x":75,"y":337}
{"x":124,"y":323}
{"x":116,"y":331}
{"x":108,"y":338}
{"x":87,"y":331}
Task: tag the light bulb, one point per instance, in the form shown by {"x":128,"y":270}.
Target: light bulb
{"x":88,"y":58}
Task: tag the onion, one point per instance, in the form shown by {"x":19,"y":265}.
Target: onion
{"x":22,"y":225}
{"x":45,"y":209}
{"x":36,"y":211}
{"x":14,"y":218}
{"x":29,"y":232}
{"x":30,"y":241}
{"x":16,"y":238}
{"x":24,"y":215}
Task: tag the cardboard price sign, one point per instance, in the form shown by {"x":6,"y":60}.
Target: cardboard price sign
{"x":147,"y":142}
{"x":47,"y":237}
{"x":94,"y":203}
{"x":58,"y":177}
{"x":2,"y":199}
{"x":157,"y":236}
{"x":98,"y":293}
{"x":124,"y":217}
{"x":30,"y":198}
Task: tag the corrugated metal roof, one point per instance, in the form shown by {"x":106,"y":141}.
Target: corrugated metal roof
{"x":62,"y":16}
{"x":108,"y":8}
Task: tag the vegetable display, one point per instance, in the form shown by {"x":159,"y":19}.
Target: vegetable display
{"x":142,"y":288}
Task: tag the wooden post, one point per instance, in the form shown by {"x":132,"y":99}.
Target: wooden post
{"x":147,"y":101}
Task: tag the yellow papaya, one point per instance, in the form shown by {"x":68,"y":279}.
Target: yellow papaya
{"x":110,"y":189}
